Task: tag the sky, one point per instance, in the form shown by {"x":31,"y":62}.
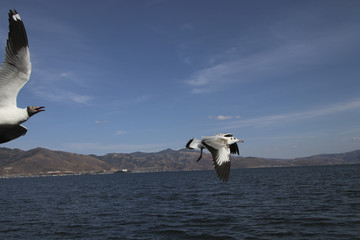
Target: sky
{"x":125,"y":76}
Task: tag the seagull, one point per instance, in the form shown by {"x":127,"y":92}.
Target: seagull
{"x":14,"y":74}
{"x":220,"y":146}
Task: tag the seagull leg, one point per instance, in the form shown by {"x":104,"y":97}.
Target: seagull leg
{"x":201,"y":150}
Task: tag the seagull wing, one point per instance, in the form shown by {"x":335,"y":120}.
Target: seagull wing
{"x":234,"y":148}
{"x":221,"y":158}
{"x":8,"y":133}
{"x":16,"y":68}
{"x":216,"y":142}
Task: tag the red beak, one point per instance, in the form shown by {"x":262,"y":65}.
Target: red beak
{"x":40,"y":109}
{"x":241,"y":141}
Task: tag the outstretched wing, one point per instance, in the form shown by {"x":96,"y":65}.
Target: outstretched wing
{"x":8,"y":133}
{"x":221,"y":160}
{"x":16,"y":68}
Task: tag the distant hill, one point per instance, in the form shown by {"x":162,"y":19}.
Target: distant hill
{"x":41,"y":161}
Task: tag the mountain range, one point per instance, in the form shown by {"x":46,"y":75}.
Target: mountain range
{"x":41,"y":161}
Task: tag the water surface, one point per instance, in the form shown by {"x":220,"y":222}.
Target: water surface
{"x":271,"y":203}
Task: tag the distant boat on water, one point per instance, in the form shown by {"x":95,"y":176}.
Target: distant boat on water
{"x":124,"y":170}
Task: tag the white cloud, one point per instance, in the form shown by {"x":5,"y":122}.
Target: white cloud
{"x":65,"y":75}
{"x":224,"y":117}
{"x":213,"y":74}
{"x":120,"y":132}
{"x":296,"y":116}
{"x":80,"y":98}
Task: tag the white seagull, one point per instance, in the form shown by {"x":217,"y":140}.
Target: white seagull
{"x":14,"y":74}
{"x":220,"y":146}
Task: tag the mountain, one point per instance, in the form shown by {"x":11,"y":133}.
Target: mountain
{"x":41,"y":161}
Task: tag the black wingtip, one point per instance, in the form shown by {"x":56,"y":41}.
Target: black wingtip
{"x":234,"y":149}
{"x":17,"y":38}
{"x":223,"y":171}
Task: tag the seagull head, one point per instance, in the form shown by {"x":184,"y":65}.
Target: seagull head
{"x":234,"y":140}
{"x":34,"y":109}
{"x":231,"y":139}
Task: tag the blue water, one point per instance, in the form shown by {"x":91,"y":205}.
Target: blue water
{"x":271,"y":203}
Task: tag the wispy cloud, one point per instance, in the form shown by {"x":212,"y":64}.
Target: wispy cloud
{"x":289,"y":57}
{"x":53,"y":86}
{"x":296,"y":116}
{"x":258,"y":66}
{"x":224,"y":117}
{"x":99,"y":147}
{"x":79,"y":98}
{"x":103,"y":122}
{"x":218,"y":73}
{"x":58,"y":95}
{"x":120,"y":132}
{"x":119,"y":103}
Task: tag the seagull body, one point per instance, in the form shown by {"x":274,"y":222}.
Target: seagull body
{"x":14,"y":74}
{"x":220,"y":146}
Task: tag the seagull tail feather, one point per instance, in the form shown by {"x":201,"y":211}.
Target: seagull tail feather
{"x":193,"y":143}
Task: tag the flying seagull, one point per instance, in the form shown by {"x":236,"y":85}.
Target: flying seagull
{"x":220,"y":146}
{"x":14,"y":74}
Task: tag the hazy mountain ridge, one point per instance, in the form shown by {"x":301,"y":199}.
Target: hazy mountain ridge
{"x":41,"y":161}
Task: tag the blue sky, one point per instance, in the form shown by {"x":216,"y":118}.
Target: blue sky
{"x":126,"y":76}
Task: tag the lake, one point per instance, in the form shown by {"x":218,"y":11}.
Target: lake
{"x":271,"y":203}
